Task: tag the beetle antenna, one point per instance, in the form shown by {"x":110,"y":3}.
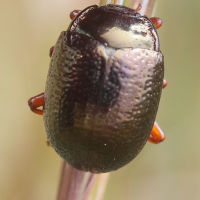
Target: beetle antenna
{"x":139,"y":7}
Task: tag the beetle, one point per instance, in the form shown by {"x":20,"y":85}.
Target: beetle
{"x":103,"y":88}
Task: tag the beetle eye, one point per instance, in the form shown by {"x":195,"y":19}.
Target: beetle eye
{"x":74,"y":13}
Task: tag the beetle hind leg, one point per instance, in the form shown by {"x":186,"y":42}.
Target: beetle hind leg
{"x":157,"y":134}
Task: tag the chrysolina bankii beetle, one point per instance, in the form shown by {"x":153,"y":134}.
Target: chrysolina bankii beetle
{"x":103,"y":88}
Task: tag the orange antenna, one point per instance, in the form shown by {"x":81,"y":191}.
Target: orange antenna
{"x":139,"y":7}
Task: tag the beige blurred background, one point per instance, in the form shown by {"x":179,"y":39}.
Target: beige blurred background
{"x":29,"y":169}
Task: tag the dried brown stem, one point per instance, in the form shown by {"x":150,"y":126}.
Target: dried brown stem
{"x":74,"y":184}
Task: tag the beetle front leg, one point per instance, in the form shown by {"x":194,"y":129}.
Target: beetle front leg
{"x":157,"y":22}
{"x":74,"y":13}
{"x":36,"y":102}
{"x":157,"y":134}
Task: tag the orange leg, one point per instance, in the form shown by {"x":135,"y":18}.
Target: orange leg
{"x":36,"y":102}
{"x":48,"y":143}
{"x":157,"y":135}
{"x":157,"y":22}
{"x":74,"y":13}
{"x":139,"y":7}
{"x":164,"y":83}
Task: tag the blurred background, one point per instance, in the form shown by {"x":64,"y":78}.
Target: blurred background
{"x":29,"y":169}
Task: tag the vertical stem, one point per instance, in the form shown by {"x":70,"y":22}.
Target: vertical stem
{"x":147,"y":5}
{"x":78,"y":185}
{"x":74,"y":184}
{"x":101,"y":186}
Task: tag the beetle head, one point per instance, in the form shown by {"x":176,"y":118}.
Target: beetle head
{"x":116,"y":26}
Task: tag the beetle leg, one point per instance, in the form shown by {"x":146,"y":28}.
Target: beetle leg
{"x":74,"y":13}
{"x":51,"y":51}
{"x":139,"y":7}
{"x":157,"y":134}
{"x":164,"y":83}
{"x":36,"y":102}
{"x":157,"y":22}
{"x":48,"y":143}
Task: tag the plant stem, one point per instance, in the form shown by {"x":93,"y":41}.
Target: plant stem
{"x":147,"y":5}
{"x":74,"y":184}
{"x":77,"y":185}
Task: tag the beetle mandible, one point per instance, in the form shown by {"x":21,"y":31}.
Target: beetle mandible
{"x":103,"y":88}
